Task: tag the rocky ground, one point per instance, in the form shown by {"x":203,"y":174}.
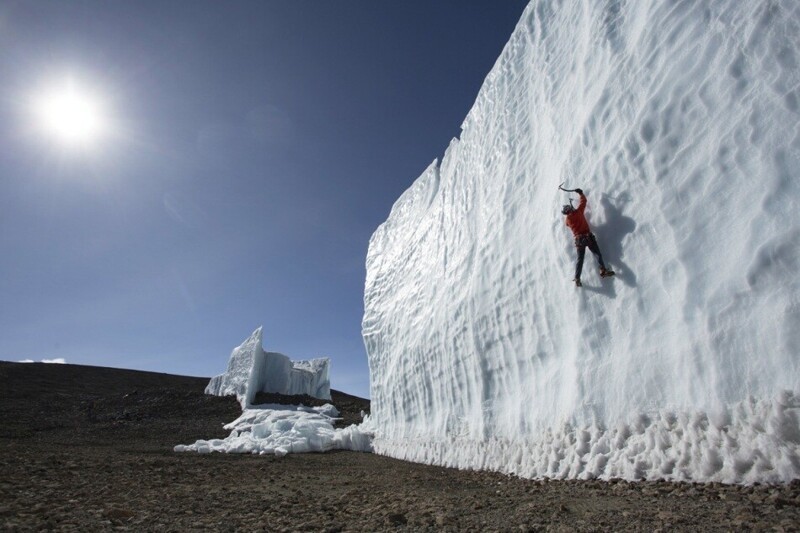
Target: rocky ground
{"x":90,"y":449}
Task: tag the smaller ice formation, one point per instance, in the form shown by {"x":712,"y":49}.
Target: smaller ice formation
{"x":279,"y":429}
{"x":273,"y":429}
{"x":251,"y":370}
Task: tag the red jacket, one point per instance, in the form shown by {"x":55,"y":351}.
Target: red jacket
{"x":576,"y":221}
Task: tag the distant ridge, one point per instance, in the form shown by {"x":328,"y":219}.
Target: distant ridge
{"x":79,"y":403}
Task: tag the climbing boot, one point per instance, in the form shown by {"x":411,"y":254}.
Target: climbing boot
{"x":604,"y":272}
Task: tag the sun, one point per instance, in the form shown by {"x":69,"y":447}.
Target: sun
{"x":71,"y":115}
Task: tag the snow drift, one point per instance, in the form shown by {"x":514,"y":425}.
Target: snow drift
{"x":274,"y":429}
{"x":251,"y":370}
{"x":680,"y":121}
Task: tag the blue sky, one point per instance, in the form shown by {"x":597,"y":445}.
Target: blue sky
{"x":250,"y":149}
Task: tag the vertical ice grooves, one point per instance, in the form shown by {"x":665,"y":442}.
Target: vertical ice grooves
{"x":680,"y":120}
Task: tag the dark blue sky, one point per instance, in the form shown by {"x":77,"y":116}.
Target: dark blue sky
{"x":253,"y":148}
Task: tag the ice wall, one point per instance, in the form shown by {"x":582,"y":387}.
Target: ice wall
{"x":680,"y":121}
{"x":251,"y":370}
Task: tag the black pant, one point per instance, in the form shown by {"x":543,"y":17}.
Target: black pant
{"x":581,"y":243}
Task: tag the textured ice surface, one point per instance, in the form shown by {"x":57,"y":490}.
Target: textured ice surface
{"x":272,"y":428}
{"x":251,"y":370}
{"x":680,"y":121}
{"x":281,"y":429}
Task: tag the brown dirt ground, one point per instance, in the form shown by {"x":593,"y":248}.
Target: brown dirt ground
{"x":90,"y":449}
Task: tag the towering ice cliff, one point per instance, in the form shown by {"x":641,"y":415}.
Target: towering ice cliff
{"x":251,"y":370}
{"x":680,"y":120}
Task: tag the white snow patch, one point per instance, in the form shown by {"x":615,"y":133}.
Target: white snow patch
{"x":753,"y":441}
{"x":281,"y":429}
{"x":273,"y":428}
{"x":57,"y":360}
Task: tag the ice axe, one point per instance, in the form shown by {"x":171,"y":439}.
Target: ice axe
{"x":567,"y":191}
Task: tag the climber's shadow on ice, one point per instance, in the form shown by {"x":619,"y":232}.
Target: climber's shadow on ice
{"x":610,"y":236}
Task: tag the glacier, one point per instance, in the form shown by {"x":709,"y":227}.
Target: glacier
{"x":251,"y":370}
{"x":679,"y":119}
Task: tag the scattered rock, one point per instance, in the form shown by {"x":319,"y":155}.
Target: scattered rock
{"x":397,"y":519}
{"x":119,"y":514}
{"x":75,"y":472}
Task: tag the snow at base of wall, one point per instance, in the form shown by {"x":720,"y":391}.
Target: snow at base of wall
{"x":754,"y":441}
{"x":280,"y":429}
{"x":252,"y":370}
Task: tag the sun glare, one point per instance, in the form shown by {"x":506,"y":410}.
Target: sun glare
{"x":71,"y":115}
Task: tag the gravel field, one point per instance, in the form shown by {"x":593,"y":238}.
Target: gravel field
{"x":90,"y":449}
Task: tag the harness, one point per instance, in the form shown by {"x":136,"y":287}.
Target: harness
{"x":584,"y":239}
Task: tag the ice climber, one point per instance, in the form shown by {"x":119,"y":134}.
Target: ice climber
{"x":584,"y":238}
